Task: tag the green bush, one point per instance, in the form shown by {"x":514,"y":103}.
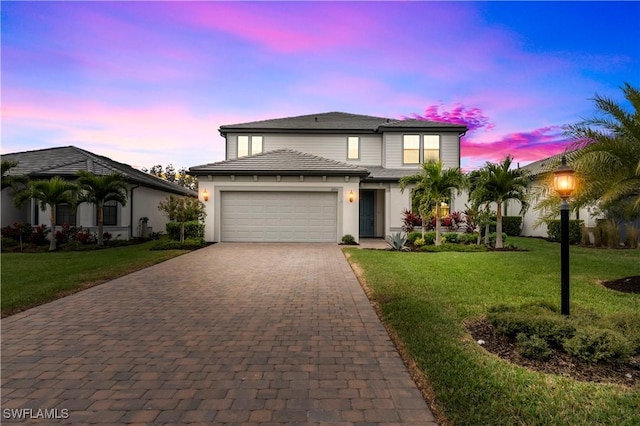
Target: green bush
{"x":492,"y":238}
{"x":413,"y":236}
{"x":532,"y":319}
{"x":533,"y":347}
{"x":189,"y":244}
{"x":6,"y":242}
{"x":592,"y":344}
{"x":512,"y":225}
{"x":451,"y":237}
{"x":192,"y":229}
{"x":575,"y":230}
{"x":471,"y":238}
{"x":453,"y":247}
{"x":419,"y":242}
{"x":349,"y":240}
{"x":627,"y":324}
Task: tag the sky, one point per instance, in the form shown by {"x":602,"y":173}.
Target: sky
{"x":149,"y":83}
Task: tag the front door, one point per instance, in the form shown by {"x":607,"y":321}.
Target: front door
{"x":367,"y":213}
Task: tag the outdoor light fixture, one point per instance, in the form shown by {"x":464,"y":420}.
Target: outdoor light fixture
{"x":205,"y":195}
{"x":351,"y":196}
{"x":564,"y":182}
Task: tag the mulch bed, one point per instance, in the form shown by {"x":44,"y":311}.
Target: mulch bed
{"x":623,"y":373}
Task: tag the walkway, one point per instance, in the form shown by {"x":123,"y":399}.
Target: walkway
{"x":230,"y":334}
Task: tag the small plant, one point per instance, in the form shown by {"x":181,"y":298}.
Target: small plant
{"x":575,"y":230}
{"x":533,"y":347}
{"x":591,"y":344}
{"x":410,"y":221}
{"x":633,"y":237}
{"x":397,"y":242}
{"x":419,"y":242}
{"x":349,"y":240}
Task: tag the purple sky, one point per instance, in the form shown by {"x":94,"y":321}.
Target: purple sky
{"x":150,"y":82}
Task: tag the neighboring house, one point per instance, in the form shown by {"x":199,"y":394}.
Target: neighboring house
{"x":144,"y":195}
{"x":316,"y":178}
{"x":530,"y":226}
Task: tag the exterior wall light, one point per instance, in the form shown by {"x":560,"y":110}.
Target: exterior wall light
{"x":205,"y":195}
{"x":564,"y":183}
{"x":351,"y":196}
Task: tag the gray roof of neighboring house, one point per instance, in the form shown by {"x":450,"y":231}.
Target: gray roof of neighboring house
{"x":280,"y":162}
{"x":545,"y":165}
{"x":338,"y":121}
{"x":65,"y":161}
{"x":381,"y":174}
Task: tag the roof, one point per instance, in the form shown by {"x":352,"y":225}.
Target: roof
{"x":280,"y":162}
{"x":381,"y":174}
{"x":338,"y":121}
{"x":546,"y":164}
{"x":66,"y":161}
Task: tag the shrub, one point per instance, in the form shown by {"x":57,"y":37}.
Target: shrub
{"x":450,"y":237}
{"x":6,"y":242}
{"x":18,"y":231}
{"x":633,"y":237}
{"x":533,"y":347}
{"x":419,"y":242}
{"x":492,"y":238}
{"x":592,"y":344}
{"x":627,"y":324}
{"x":413,"y":236}
{"x":349,"y":240}
{"x":410,"y":221}
{"x":192,"y":229}
{"x":189,"y":244}
{"x":397,"y":242}
{"x":39,"y":235}
{"x":575,"y":230}
{"x":453,"y":247}
{"x":468,"y":238}
{"x":512,"y":225}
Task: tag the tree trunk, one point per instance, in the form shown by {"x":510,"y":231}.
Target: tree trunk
{"x":181,"y":232}
{"x":487,"y":230}
{"x":100,"y":224}
{"x":52,"y":237}
{"x":438,"y":242}
{"x":499,"y":243}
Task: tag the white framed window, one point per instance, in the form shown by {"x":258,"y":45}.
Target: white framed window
{"x":418,"y":149}
{"x":353,"y":148}
{"x":249,"y":145}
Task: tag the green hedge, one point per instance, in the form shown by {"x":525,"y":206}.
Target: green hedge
{"x":575,"y":230}
{"x":512,"y":225}
{"x":192,"y":229}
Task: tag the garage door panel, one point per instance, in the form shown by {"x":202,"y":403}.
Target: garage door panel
{"x":250,"y":216}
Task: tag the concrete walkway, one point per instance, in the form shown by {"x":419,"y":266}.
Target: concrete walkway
{"x":230,"y":334}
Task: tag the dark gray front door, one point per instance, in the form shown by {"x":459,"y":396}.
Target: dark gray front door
{"x":367,"y":213}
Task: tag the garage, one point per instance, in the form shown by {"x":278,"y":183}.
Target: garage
{"x":278,"y":216}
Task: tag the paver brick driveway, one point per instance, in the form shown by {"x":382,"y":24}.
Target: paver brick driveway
{"x":234,"y":333}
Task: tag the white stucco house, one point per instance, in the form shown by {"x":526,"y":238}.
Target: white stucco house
{"x":144,"y":194}
{"x":318,"y":177}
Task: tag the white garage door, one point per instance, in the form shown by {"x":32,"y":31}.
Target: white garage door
{"x":279,"y":216}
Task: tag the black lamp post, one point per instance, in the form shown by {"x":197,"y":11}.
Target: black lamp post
{"x":564,"y":183}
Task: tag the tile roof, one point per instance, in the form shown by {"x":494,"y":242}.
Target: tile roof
{"x":381,"y":174}
{"x":341,"y":121}
{"x":65,"y":161}
{"x":280,"y":162}
{"x":545,"y":165}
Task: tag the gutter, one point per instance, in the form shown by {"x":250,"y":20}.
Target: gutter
{"x":131,"y":211}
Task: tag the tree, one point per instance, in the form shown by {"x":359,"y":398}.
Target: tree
{"x":100,"y":189}
{"x":180,"y":177}
{"x":607,"y":156}
{"x":432,"y":187}
{"x":49,"y":193}
{"x":183,"y":209}
{"x":11,"y":181}
{"x":498,"y":183}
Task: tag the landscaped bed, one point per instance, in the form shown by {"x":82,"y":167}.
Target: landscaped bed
{"x":436,"y":308}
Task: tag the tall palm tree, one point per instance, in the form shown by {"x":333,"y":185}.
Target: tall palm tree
{"x":100,"y":189}
{"x":11,"y":181}
{"x":607,"y":158}
{"x":432,"y":187}
{"x":49,"y":193}
{"x":499,"y":183}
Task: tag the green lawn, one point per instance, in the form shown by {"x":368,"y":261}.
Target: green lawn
{"x":424,"y":298}
{"x":30,"y":279}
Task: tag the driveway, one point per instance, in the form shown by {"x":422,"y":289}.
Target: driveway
{"x":233,"y":333}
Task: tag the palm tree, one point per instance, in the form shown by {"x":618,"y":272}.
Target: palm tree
{"x":11,"y":181}
{"x":498,"y":183}
{"x":100,"y":189}
{"x":607,"y":158}
{"x":432,"y":187}
{"x":49,"y":193}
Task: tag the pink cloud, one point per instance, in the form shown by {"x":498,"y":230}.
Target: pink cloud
{"x":472,"y":117}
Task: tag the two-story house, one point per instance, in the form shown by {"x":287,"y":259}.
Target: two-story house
{"x":316,"y":178}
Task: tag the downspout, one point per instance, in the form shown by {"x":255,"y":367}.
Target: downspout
{"x":131,"y":211}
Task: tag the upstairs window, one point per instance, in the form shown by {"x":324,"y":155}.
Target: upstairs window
{"x":418,"y":149}
{"x":249,"y":145}
{"x":353,"y":148}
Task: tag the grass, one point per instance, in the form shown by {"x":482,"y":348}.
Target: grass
{"x":31,"y":279}
{"x":425,"y":297}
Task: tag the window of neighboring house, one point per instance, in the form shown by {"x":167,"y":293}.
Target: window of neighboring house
{"x":109,"y":213}
{"x":65,"y":215}
{"x":431,"y":148}
{"x":353,"y":148}
{"x":249,"y":145}
{"x":418,"y":149}
{"x":411,"y":149}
